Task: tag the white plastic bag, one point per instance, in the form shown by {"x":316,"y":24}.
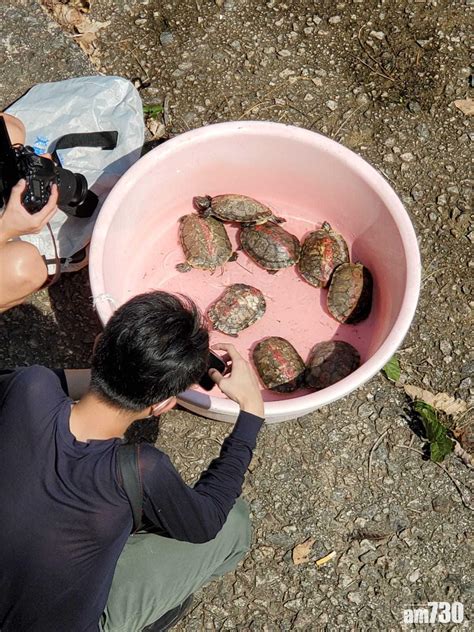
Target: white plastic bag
{"x":80,"y":105}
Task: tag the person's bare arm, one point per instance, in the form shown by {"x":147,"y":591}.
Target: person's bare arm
{"x":15,"y":128}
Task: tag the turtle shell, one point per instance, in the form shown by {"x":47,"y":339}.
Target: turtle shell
{"x":321,"y":252}
{"x":234,"y":208}
{"x":349,"y":297}
{"x":330,"y":362}
{"x":205,"y":242}
{"x":270,"y":245}
{"x":279,"y":364}
{"x":237,"y":308}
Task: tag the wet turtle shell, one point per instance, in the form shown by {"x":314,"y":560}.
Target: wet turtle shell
{"x":321,"y":252}
{"x":330,"y":362}
{"x":237,"y":308}
{"x":205,"y":243}
{"x":235,"y":208}
{"x":279,"y":364}
{"x":350,"y":293}
{"x":270,"y":245}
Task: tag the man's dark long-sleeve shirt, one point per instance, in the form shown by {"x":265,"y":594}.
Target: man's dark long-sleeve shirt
{"x":64,"y":516}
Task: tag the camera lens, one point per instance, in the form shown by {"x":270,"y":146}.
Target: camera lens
{"x":72,"y":188}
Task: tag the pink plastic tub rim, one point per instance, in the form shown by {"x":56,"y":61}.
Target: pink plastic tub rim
{"x":290,"y":408}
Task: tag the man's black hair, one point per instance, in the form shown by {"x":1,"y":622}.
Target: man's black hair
{"x":154,"y":346}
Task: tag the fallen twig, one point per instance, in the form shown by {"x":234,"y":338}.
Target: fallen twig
{"x":455,"y":483}
{"x":373,"y":448}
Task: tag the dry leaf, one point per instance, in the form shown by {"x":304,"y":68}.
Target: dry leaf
{"x":87,"y":27}
{"x":68,"y":16}
{"x":301,"y":551}
{"x":156,"y":128}
{"x":327,"y":558}
{"x":439,"y":401}
{"x":465,"y":105}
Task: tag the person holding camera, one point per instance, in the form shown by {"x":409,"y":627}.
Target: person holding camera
{"x":67,"y":560}
{"x":23,"y":270}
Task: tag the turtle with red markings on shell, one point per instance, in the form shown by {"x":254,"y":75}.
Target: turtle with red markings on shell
{"x":279,"y":365}
{"x":321,"y":252}
{"x":235,"y":208}
{"x":350,"y":292}
{"x":205,"y":243}
{"x":237,"y":308}
{"x":329,"y":362}
{"x":270,"y":246}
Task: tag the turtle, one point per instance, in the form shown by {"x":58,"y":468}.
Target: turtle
{"x":349,"y":298}
{"x":330,"y":362}
{"x":270,"y":245}
{"x":235,"y":208}
{"x":279,"y":365}
{"x":205,"y":243}
{"x":321,"y":252}
{"x":237,"y":308}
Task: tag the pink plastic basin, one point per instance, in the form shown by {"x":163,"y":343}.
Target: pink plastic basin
{"x":302,"y":176}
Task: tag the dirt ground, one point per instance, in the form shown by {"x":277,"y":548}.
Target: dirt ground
{"x":380,"y":77}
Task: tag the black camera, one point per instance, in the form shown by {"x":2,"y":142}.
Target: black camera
{"x":18,"y":161}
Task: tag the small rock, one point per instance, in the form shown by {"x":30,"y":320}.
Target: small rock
{"x":377,"y":34}
{"x":166,"y":38}
{"x":423,"y":131}
{"x":407,"y":157}
{"x":441,"y":504}
{"x":416,"y":192}
{"x":308,"y":97}
{"x":414,"y":107}
{"x":335,"y":19}
{"x":415,"y":576}
{"x":441,"y":199}
{"x":369,"y":556}
{"x":355,"y":597}
{"x":332,"y":105}
{"x":284,"y":53}
{"x":446,"y":347}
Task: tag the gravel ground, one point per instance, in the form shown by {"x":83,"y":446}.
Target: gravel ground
{"x":381,"y":78}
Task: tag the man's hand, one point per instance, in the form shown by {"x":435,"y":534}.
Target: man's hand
{"x":241,"y":385}
{"x":16,"y":221}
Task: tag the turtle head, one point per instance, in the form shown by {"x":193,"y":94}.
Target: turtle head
{"x":202,"y":203}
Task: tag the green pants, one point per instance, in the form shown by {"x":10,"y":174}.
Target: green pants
{"x":155,"y":574}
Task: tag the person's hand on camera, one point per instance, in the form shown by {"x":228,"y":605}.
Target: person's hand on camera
{"x":16,"y":221}
{"x":241,"y":384}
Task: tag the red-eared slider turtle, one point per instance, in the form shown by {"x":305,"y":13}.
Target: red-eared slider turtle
{"x":237,"y":308}
{"x":205,"y":243}
{"x":350,"y":293}
{"x":330,"y":362}
{"x":321,"y":252}
{"x":270,"y":245}
{"x":235,"y":208}
{"x":279,"y":364}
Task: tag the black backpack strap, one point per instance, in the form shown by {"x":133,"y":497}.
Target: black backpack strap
{"x":127,"y":460}
{"x":101,"y":140}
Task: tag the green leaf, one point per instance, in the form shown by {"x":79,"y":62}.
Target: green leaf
{"x":437,"y":434}
{"x":153,"y":109}
{"x":392,"y":369}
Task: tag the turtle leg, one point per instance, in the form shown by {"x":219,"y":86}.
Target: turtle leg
{"x":183,"y":267}
{"x":234,"y":255}
{"x":272,"y":271}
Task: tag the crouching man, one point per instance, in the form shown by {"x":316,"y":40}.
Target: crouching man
{"x":67,"y":560}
